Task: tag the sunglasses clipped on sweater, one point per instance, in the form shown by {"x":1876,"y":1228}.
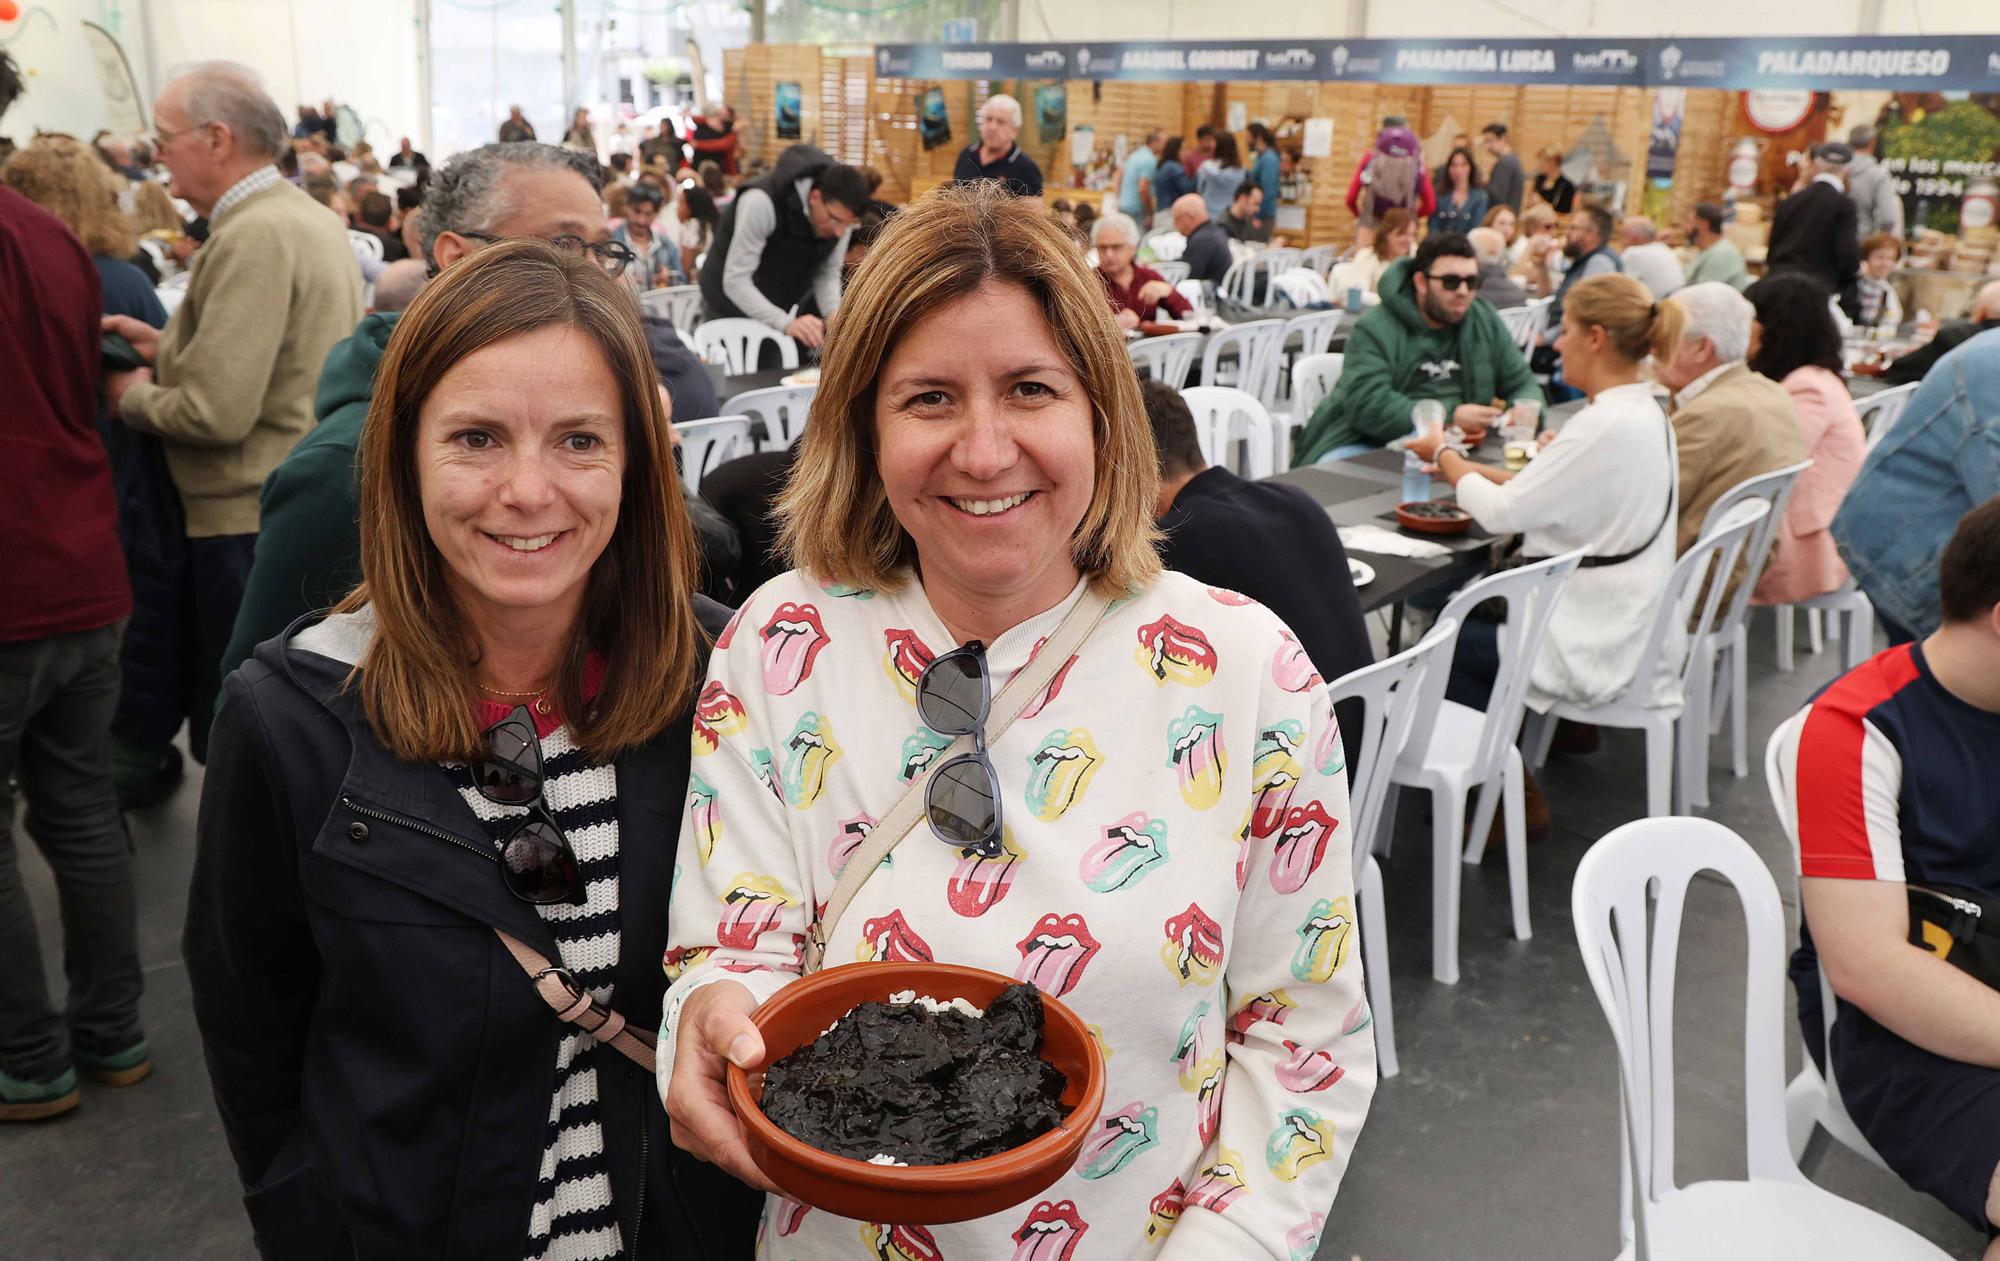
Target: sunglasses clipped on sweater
{"x":536,"y":862}
{"x":962,"y":799}
{"x":1452,"y":284}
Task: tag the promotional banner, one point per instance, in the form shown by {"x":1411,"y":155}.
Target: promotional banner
{"x":1904,"y":63}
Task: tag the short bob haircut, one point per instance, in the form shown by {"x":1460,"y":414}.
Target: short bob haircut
{"x":834,"y":516}
{"x":416,"y":682}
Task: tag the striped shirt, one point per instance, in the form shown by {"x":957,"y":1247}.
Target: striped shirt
{"x":573,"y":1215}
{"x":255,"y":182}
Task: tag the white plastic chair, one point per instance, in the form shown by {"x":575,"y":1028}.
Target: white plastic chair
{"x":1173,"y":271}
{"x":1458,"y":749}
{"x":1301,"y":287}
{"x":1880,"y":412}
{"x":706,"y":445}
{"x":1192,"y":291}
{"x":738,"y":344}
{"x":1630,"y":709}
{"x":1313,"y":379}
{"x":1169,"y":358}
{"x":1314,"y":329}
{"x":1630,"y":955}
{"x":1319,"y":258}
{"x":782,"y":409}
{"x":678,"y":303}
{"x":1222,"y":418}
{"x":1257,"y":345}
{"x":1256,"y":274}
{"x":1526,"y":323}
{"x":1388,"y":692}
{"x":1167,"y":246}
{"x":366,"y":245}
{"x":1726,"y":648}
{"x":1812,"y":1098}
{"x":1853,"y":621}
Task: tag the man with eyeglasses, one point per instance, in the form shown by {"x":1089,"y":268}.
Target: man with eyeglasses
{"x":231,"y":377}
{"x":310,"y":555}
{"x":1429,"y":339}
{"x":780,"y":245}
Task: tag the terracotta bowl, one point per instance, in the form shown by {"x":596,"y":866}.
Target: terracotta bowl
{"x":1457,"y":523}
{"x":924,"y":1195}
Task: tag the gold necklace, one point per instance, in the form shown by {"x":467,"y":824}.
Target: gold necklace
{"x":539,"y":699}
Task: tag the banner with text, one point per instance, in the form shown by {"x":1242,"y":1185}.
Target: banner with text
{"x":1904,"y":63}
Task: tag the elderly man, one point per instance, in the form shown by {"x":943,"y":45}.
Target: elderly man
{"x":1207,"y":253}
{"x":1495,"y":285}
{"x":1646,"y":258}
{"x":310,"y":554}
{"x":1815,"y":230}
{"x":395,"y":289}
{"x":516,"y":127}
{"x":1878,"y":208}
{"x":996,"y":156}
{"x":1429,"y":339}
{"x":230,"y":390}
{"x":1719,"y":259}
{"x":1730,"y":423}
{"x":781,"y":242}
{"x":1984,"y":316}
{"x":1136,"y":292}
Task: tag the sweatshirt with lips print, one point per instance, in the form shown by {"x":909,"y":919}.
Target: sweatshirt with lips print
{"x":1175,"y":866}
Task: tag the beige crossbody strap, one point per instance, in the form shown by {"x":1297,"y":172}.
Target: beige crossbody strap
{"x":575,"y":1006}
{"x":908,"y":811}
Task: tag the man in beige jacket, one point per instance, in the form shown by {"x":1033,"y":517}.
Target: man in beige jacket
{"x":231,"y":386}
{"x":1730,"y":423}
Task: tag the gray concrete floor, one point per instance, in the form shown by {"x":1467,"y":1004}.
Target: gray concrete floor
{"x":1499,"y":1139}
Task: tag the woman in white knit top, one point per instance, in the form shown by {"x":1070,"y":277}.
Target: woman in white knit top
{"x":1176,"y":860}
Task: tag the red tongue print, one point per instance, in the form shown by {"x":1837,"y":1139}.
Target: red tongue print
{"x":1292,"y":669}
{"x":790,"y":1214}
{"x":906,"y":660}
{"x":977,"y":884}
{"x":890,"y":939}
{"x":793,"y":638}
{"x":1176,"y":653}
{"x":1301,"y":846}
{"x":1304,"y":1070}
{"x":1048,"y":693}
{"x":900,"y":1243}
{"x":1051,"y":1232}
{"x":1055,"y":954}
{"x":728,"y":634}
{"x":1273,"y":1007}
{"x":1232,"y":598}
{"x":716,"y":714}
{"x":1166,"y":1209}
{"x":1194,"y":946}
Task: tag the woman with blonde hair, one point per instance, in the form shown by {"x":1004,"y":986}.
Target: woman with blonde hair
{"x":1608,"y":485}
{"x":430,"y":833}
{"x":1535,"y":244}
{"x":1160,"y":841}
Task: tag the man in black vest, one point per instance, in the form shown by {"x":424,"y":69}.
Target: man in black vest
{"x":780,"y":245}
{"x":1814,"y":229}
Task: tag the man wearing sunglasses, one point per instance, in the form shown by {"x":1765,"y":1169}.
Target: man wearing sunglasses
{"x":1429,"y":339}
{"x":311,"y":553}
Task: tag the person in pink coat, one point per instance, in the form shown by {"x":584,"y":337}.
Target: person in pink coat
{"x":1795,"y":342}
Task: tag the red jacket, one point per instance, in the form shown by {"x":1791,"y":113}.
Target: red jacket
{"x":62,"y":569}
{"x":710,"y":143}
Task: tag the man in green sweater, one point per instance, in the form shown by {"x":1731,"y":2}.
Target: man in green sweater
{"x":1429,"y":339}
{"x":230,"y":388}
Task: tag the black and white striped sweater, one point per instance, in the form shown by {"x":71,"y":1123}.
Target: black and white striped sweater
{"x":573,"y":1217}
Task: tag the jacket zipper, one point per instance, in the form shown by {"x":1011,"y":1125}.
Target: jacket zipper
{"x":1957,"y":904}
{"x":639,"y":1213}
{"x":384,"y":816}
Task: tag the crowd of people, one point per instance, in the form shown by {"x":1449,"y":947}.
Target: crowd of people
{"x":385,"y":515}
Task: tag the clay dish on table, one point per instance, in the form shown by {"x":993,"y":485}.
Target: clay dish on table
{"x":924,"y":1195}
{"x":1456,"y":521}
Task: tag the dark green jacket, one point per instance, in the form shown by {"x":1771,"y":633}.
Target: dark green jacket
{"x":309,"y":535}
{"x":1392,"y":354}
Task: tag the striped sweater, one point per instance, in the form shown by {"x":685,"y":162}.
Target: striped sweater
{"x":573,"y":1216}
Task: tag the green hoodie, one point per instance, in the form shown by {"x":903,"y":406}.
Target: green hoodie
{"x":309,"y":535}
{"x":1395,"y":358}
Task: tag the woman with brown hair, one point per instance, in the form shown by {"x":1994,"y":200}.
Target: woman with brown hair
{"x":436,"y":815}
{"x":976,"y":486}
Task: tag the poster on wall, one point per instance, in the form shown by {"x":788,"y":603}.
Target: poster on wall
{"x":1052,"y":111}
{"x":787,"y":108}
{"x":1669,"y":108}
{"x":1944,"y":156}
{"x":933,"y":122}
